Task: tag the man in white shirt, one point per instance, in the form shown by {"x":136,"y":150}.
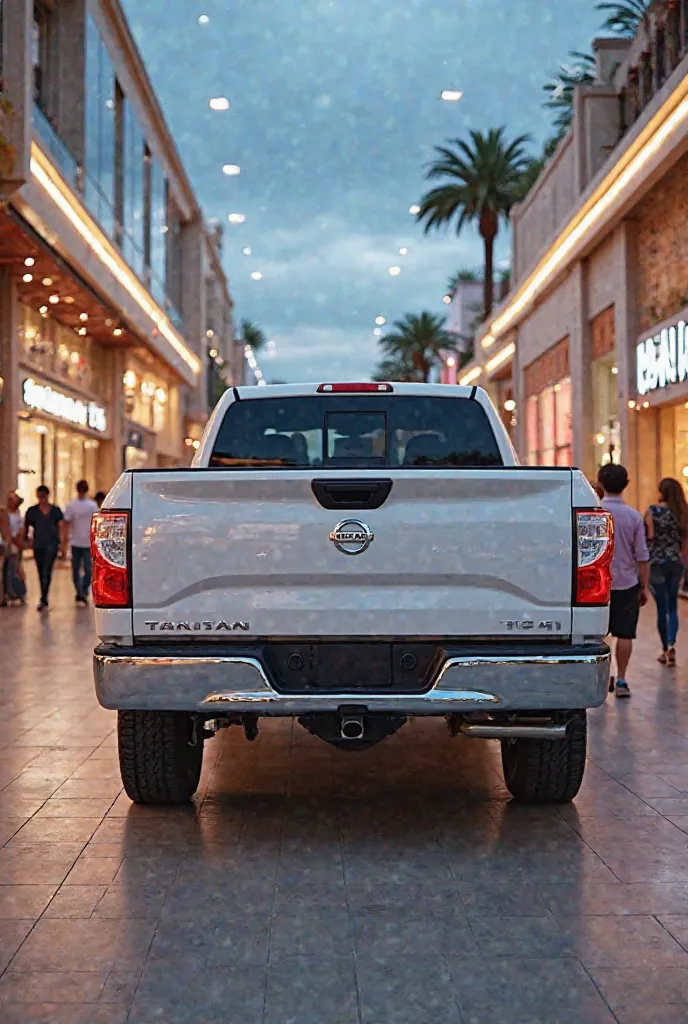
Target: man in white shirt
{"x":78,"y":519}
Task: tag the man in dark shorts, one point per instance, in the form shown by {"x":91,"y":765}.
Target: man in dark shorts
{"x":630,"y":570}
{"x":45,"y":525}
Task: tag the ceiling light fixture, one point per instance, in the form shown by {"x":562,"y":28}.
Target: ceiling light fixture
{"x":256,"y":275}
{"x":29,"y":261}
{"x":27,"y":277}
{"x":380,"y":320}
{"x":117,"y":332}
{"x":54,"y":299}
{"x":203,"y":19}
{"x":451,"y":95}
{"x":394,"y":271}
{"x":47,"y":281}
{"x":83,"y":316}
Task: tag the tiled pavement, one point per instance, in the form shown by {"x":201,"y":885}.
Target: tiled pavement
{"x":307,"y":886}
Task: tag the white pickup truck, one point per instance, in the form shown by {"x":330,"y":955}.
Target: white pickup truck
{"x":352,"y":555}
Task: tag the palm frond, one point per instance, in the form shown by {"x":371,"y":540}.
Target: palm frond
{"x":624,"y":17}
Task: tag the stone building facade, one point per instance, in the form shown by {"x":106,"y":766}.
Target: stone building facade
{"x":591,"y":341}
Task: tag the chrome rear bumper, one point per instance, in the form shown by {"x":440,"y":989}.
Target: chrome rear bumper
{"x":532,"y":680}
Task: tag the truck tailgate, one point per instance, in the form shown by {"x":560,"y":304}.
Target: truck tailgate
{"x":476,"y":552}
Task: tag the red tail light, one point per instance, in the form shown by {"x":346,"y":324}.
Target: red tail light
{"x":595,"y":543}
{"x":353,"y":389}
{"x":110,"y":554}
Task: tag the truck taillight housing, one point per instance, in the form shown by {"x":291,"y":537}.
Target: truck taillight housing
{"x":110,"y":554}
{"x":595,"y":543}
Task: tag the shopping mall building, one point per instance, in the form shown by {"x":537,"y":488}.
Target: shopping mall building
{"x":114,"y":309}
{"x":587,"y":356}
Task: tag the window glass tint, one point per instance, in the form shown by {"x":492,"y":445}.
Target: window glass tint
{"x":355,"y":432}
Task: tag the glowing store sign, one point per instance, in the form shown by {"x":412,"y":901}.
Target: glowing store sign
{"x":663,"y":359}
{"x":73,"y":410}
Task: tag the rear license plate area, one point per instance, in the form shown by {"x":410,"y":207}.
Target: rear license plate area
{"x":350,"y":667}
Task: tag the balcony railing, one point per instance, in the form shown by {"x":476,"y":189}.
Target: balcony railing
{"x":102,"y":209}
{"x":65,"y":161}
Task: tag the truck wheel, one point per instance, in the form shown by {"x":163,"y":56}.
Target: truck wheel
{"x":546,"y":771}
{"x":159,"y":759}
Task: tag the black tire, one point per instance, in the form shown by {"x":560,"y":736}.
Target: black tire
{"x":158,"y":759}
{"x":546,"y":771}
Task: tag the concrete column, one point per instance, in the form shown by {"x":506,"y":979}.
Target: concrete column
{"x":10,"y":391}
{"x":17,"y":73}
{"x":626,"y":330}
{"x":110,"y":451}
{"x":580,"y":359}
{"x":68,"y":92}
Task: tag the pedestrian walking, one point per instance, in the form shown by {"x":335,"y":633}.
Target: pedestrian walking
{"x":666,"y":523}
{"x":45,"y":529}
{"x":78,"y":533}
{"x":13,"y":583}
{"x":99,"y":498}
{"x":630,"y":570}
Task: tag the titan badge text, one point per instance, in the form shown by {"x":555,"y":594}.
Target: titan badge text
{"x":523,"y":625}
{"x":205,"y":626}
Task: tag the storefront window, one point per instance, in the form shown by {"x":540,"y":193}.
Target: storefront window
{"x":54,"y":456}
{"x":35,"y":336}
{"x":606,"y":442}
{"x":158,"y":225}
{"x":145,"y":398}
{"x":73,"y":357}
{"x":548,"y":426}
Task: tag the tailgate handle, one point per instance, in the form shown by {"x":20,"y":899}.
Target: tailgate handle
{"x":347,"y":494}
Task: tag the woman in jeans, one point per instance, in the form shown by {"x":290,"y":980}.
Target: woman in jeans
{"x":667,"y":531}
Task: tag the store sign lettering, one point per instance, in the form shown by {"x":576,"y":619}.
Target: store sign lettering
{"x":663,"y":360}
{"x":73,"y":410}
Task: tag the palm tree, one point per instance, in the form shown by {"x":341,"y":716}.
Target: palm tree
{"x":561,"y":89}
{"x":482,"y":177}
{"x":252,"y":335}
{"x":625,"y":16}
{"x":530,"y":175}
{"x":461,"y":275}
{"x":413,"y":345}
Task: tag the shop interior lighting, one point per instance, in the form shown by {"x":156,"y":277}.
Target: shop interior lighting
{"x":188,"y":441}
{"x":621,"y":177}
{"x":501,"y":357}
{"x":615,"y":370}
{"x":130,"y":380}
{"x":49,"y":179}
{"x":83,"y":331}
{"x":600,"y":438}
{"x":27,"y":278}
{"x":212,"y":353}
{"x":69,"y":299}
{"x":631,"y":404}
{"x":83,"y":317}
{"x":54,"y":299}
{"x":471,"y":376}
{"x":47,"y":281}
{"x":117,"y":332}
{"x":510,"y":405}
{"x":210,"y":334}
{"x":160,"y":396}
{"x":451,"y":361}
{"x":43,"y":309}
{"x":684,"y":471}
{"x":29,"y":261}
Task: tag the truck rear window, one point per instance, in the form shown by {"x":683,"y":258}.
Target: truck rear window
{"x":355,"y":432}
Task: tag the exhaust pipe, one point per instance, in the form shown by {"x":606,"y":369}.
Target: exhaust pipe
{"x":506,"y":732}
{"x":351,"y":727}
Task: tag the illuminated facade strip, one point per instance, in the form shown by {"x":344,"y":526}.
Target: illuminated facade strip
{"x":471,"y":376}
{"x":583,"y":223}
{"x":505,"y":354}
{"x":49,"y":179}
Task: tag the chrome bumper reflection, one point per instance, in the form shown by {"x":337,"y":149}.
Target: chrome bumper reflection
{"x":207,"y":683}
